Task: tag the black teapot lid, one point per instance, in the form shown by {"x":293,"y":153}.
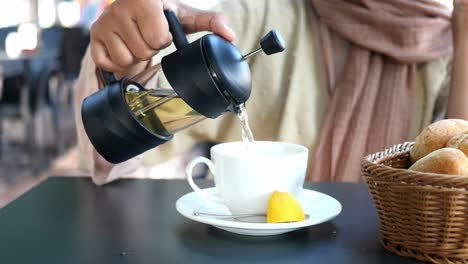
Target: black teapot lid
{"x":229,"y":70}
{"x":211,"y":74}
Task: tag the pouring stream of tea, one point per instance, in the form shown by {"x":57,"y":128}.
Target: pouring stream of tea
{"x":247,"y":136}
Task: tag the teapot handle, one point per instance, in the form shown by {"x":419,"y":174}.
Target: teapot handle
{"x":178,"y":37}
{"x":106,"y":77}
{"x":178,"y":34}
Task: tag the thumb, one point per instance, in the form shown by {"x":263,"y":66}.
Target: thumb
{"x":195,"y":20}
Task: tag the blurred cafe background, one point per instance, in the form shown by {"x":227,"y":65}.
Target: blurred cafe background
{"x":42,"y":43}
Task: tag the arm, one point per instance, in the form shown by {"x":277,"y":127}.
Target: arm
{"x":458,"y":98}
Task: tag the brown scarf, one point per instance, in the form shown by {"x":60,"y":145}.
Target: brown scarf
{"x":371,"y":101}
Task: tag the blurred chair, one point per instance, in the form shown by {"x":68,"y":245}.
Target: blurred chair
{"x":41,"y":86}
{"x":73,"y":47}
{"x":14,"y":107}
{"x":58,"y":80}
{"x":51,"y":39}
{"x":23,"y":96}
{"x":74,"y":44}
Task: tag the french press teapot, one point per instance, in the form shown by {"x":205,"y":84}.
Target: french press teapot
{"x":206,"y":78}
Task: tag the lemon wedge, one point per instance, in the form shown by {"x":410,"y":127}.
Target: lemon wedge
{"x":284,"y":208}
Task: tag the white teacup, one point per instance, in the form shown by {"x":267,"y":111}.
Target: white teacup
{"x":246,"y":177}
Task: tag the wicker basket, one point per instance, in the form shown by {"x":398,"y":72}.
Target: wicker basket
{"x":422,"y":215}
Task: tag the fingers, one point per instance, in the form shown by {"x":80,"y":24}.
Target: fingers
{"x":118,"y":51}
{"x":103,"y":45}
{"x":195,"y":20}
{"x":116,"y":42}
{"x":153,"y":25}
{"x":101,"y":57}
{"x":134,"y":40}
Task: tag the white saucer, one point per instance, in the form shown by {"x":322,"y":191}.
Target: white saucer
{"x":319,"y":206}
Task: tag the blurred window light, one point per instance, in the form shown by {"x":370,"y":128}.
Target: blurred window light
{"x":69,"y":13}
{"x":13,"y":12}
{"x":27,"y":33}
{"x":13,"y":45}
{"x":47,"y":13}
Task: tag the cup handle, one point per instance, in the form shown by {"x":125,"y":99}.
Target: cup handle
{"x":197,"y":189}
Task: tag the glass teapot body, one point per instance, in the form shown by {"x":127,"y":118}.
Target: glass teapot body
{"x":156,"y":104}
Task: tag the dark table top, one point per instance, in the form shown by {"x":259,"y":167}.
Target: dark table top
{"x":70,"y":220}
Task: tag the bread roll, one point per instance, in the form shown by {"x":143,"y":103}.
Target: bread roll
{"x":436,"y":136}
{"x":445,"y":161}
{"x":459,"y":141}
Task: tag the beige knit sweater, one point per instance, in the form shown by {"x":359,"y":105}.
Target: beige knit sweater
{"x":288,"y":98}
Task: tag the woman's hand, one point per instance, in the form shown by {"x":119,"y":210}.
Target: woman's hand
{"x":130,"y":32}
